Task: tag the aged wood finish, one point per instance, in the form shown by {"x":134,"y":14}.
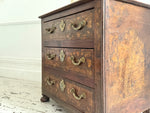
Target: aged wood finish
{"x":147,"y":111}
{"x":74,"y":76}
{"x":71,"y":10}
{"x":85,"y":105}
{"x":127,"y":58}
{"x":136,"y":2}
{"x":115,"y":44}
{"x":86,"y":69}
{"x":70,"y":37}
{"x":98,"y":57}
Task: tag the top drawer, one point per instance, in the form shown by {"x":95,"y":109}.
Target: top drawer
{"x":70,"y":31}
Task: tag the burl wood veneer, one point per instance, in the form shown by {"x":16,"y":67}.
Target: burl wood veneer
{"x":96,"y":56}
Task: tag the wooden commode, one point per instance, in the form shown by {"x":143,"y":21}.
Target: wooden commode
{"x":96,"y":56}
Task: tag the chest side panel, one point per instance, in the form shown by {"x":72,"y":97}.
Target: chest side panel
{"x":127,"y":58}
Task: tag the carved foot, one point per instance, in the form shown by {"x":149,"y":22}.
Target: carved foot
{"x":44,"y":98}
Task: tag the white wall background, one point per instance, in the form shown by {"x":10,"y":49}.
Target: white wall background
{"x":145,"y":1}
{"x":27,"y":10}
{"x":20,"y":36}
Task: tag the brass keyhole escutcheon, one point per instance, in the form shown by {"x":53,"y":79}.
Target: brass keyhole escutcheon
{"x":62,"y":85}
{"x":62,"y":25}
{"x":62,"y":56}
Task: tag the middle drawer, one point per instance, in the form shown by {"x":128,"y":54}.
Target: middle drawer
{"x":73,"y":61}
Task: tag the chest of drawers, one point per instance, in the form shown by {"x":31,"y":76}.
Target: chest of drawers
{"x":96,"y":56}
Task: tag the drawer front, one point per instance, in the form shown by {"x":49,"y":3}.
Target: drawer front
{"x":79,"y":96}
{"x":78,"y":61}
{"x":71,"y":31}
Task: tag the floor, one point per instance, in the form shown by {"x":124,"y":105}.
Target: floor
{"x":18,"y":96}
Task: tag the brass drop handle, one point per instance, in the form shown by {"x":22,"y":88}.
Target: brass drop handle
{"x":51,"y":56}
{"x":79,"y":26}
{"x":50,"y":30}
{"x":81,"y":60}
{"x":50,"y":82}
{"x":82,"y":96}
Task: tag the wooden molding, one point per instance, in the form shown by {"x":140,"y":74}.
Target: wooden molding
{"x":20,"y":23}
{"x":74,"y":1}
{"x":19,"y":68}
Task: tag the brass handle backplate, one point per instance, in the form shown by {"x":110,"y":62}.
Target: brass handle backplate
{"x":62,"y":25}
{"x":50,"y":30}
{"x":79,"y":26}
{"x":82,"y":96}
{"x":50,"y":82}
{"x":81,"y":60}
{"x":62,"y":85}
{"x":62,"y":56}
{"x":51,"y":56}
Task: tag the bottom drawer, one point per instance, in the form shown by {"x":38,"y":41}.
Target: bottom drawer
{"x":79,"y":96}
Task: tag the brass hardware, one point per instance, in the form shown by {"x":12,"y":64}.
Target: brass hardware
{"x":51,"y":56}
{"x":50,"y":82}
{"x":62,"y":56}
{"x":62,"y":25}
{"x":62,"y":85}
{"x":50,"y":30}
{"x":82,"y":96}
{"x":81,"y":60}
{"x":79,"y":26}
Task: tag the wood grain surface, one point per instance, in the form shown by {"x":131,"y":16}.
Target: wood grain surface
{"x":70,"y":37}
{"x":84,"y":105}
{"x":86,"y":69}
{"x":115,"y":43}
{"x":127,"y":58}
